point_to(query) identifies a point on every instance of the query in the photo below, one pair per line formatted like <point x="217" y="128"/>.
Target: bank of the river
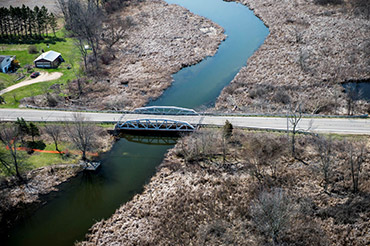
<point x="41" y="181"/>
<point x="16" y="196"/>
<point x="198" y="197"/>
<point x="310" y="50"/>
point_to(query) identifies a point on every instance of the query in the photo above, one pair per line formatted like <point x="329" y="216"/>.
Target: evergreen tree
<point x="12" y="21"/>
<point x="2" y="29"/>
<point x="43" y="19"/>
<point x="7" y="21"/>
<point x="33" y="131"/>
<point x="31" y="20"/>
<point x="24" y="22"/>
<point x="24" y="14"/>
<point x="227" y="129"/>
<point x="52" y="22"/>
<point x="23" y="128"/>
<point x="37" y="18"/>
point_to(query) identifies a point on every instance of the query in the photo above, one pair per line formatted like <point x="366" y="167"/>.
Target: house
<point x="50" y="59"/>
<point x="6" y="63"/>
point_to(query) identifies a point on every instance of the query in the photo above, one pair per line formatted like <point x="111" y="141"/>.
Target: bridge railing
<point x="155" y="125"/>
<point x="165" y="110"/>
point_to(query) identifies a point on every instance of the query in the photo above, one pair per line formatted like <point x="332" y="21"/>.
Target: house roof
<point x="49" y="56"/>
<point x="3" y="57"/>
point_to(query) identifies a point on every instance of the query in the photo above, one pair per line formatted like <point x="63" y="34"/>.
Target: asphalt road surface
<point x="317" y="125"/>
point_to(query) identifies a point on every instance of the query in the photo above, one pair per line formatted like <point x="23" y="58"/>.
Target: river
<point x="90" y="197"/>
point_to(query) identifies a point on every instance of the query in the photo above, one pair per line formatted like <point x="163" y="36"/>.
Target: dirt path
<point x="43" y="77"/>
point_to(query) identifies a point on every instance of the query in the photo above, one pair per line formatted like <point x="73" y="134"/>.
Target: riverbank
<point x="163" y="39"/>
<point x="43" y="171"/>
<point x="41" y="181"/>
<point x="310" y="51"/>
<point x="204" y="195"/>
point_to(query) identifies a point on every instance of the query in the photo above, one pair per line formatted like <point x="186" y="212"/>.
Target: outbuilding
<point x="5" y="63"/>
<point x="50" y="59"/>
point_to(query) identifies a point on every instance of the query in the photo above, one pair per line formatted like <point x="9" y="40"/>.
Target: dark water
<point x="91" y="197"/>
<point x="201" y="84"/>
<point x="362" y="89"/>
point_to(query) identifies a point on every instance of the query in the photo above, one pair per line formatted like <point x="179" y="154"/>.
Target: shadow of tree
<point x="348" y="212"/>
<point x="32" y="40"/>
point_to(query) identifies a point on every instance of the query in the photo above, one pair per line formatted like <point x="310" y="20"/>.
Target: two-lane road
<point x="319" y="125"/>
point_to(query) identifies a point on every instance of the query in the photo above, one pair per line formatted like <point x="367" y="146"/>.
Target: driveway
<point x="43" y="77"/>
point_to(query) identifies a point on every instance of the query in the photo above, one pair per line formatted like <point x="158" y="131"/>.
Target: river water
<point x="199" y="85"/>
<point x="90" y="197"/>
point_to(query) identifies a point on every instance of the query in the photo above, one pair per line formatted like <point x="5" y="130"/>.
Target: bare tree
<point x="262" y="152"/>
<point x="294" y="117"/>
<point x="324" y="149"/>
<point x="116" y="30"/>
<point x="77" y="72"/>
<point x="82" y="134"/>
<point x="200" y="146"/>
<point x="271" y="213"/>
<point x="55" y="132"/>
<point x="79" y="43"/>
<point x="353" y="94"/>
<point x="84" y="20"/>
<point x="11" y="159"/>
<point x="356" y="159"/>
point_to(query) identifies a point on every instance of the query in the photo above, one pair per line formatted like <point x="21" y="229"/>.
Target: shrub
<point x="271" y="214"/>
<point x="361" y="8"/>
<point x="281" y="97"/>
<point x="32" y="49"/>
<point x="51" y="100"/>
<point x="106" y="58"/>
<point x="227" y="129"/>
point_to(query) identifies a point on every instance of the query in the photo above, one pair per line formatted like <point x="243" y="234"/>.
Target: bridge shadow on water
<point x="151" y="139"/>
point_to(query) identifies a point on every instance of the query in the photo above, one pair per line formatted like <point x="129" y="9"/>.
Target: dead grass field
<point x="214" y="192"/>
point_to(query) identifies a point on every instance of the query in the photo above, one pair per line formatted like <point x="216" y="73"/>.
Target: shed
<point x="50" y="59"/>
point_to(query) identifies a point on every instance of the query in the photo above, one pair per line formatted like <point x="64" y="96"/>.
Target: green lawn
<point x="7" y="80"/>
<point x="38" y="159"/>
<point x="69" y="52"/>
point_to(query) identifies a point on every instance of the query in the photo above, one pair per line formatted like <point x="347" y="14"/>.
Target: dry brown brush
<point x="259" y="196"/>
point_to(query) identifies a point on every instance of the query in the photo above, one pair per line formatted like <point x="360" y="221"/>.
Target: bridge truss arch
<point x="155" y="125"/>
<point x="165" y="110"/>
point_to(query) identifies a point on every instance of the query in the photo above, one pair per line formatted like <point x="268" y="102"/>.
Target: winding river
<point x="90" y="197"/>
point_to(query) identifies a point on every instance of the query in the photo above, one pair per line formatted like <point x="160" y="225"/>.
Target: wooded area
<point x="25" y="23"/>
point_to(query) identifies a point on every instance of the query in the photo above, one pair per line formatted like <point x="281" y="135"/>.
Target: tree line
<point x="24" y="22"/>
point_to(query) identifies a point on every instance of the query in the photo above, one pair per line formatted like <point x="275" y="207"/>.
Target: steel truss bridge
<point x="164" y="125"/>
<point x="155" y="125"/>
<point x="165" y="110"/>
